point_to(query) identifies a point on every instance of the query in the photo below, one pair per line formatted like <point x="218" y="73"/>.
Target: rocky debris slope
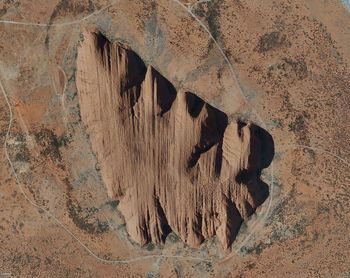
<point x="175" y="162"/>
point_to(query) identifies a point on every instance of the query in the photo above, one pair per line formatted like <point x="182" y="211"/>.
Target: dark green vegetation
<point x="113" y="204"/>
<point x="51" y="145"/>
<point x="210" y="11"/>
<point x="82" y="218"/>
<point x="22" y="151"/>
<point x="271" y="41"/>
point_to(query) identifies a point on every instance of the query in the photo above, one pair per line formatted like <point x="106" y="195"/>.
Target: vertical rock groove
<point x="175" y="162"/>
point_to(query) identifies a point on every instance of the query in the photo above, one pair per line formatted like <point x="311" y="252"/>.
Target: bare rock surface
<point x="175" y="162"/>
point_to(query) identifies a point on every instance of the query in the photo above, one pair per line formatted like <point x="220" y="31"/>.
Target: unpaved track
<point x="59" y="24"/>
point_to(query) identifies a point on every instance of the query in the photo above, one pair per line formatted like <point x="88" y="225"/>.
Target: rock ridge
<point x="175" y="162"/>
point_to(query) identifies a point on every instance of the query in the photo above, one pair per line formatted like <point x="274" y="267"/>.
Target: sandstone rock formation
<point x="175" y="162"/>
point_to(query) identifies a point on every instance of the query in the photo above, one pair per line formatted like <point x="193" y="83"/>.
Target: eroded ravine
<point x="175" y="162"/>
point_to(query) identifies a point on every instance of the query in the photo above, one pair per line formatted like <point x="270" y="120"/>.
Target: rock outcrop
<point x="175" y="162"/>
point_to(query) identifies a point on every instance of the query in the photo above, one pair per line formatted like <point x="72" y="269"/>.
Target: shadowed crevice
<point x="165" y="228"/>
<point x="166" y="92"/>
<point x="194" y="104"/>
<point x="212" y="129"/>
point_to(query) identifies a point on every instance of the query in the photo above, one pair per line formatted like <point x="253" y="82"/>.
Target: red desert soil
<point x="174" y="138"/>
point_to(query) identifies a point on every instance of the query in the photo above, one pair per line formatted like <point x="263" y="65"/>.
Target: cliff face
<point x="174" y="162"/>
